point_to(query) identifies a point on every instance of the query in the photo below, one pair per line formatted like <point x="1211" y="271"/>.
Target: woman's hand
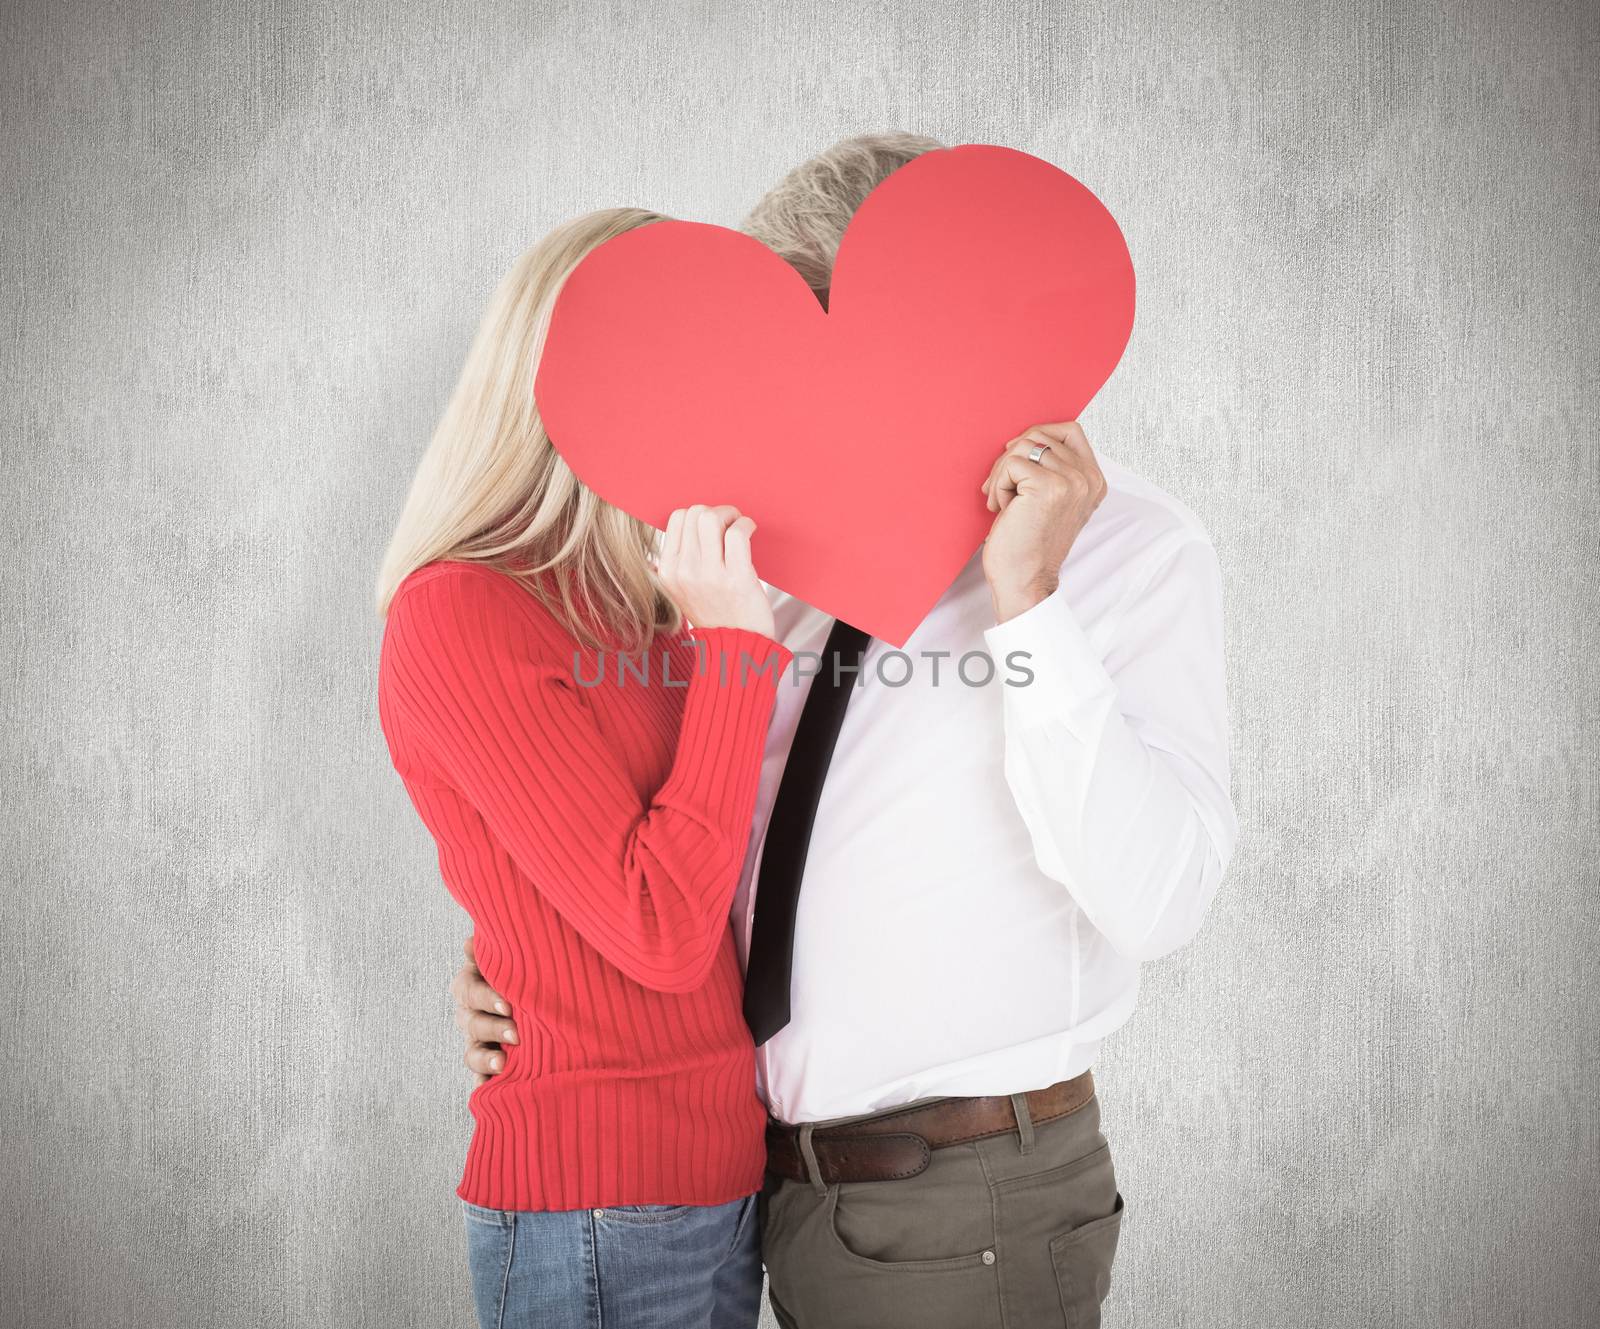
<point x="482" y="1015"/>
<point x="705" y="567"/>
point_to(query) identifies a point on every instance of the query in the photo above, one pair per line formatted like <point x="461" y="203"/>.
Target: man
<point x="955" y="872"/>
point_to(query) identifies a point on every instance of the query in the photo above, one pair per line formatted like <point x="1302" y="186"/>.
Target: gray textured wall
<point x="242" y="249"/>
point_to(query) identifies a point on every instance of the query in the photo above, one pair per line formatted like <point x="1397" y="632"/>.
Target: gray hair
<point x="802" y="218"/>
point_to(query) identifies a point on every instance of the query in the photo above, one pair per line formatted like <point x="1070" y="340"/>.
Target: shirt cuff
<point x="1068" y="684"/>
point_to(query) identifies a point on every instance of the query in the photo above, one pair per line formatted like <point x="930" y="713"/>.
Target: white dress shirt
<point x="989" y="864"/>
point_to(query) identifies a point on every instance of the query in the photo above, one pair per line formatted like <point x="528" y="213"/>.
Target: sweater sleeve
<point x="471" y="675"/>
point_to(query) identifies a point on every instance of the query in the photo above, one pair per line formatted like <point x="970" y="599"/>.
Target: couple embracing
<point x="785" y="962"/>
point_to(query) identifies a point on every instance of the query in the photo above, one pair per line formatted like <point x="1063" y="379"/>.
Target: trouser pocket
<point x="1083" y="1258"/>
<point x="491" y="1240"/>
<point x="1056" y="1231"/>
<point x="910" y="1254"/>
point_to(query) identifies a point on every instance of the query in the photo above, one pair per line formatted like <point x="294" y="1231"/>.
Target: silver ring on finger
<point x="1037" y="451"/>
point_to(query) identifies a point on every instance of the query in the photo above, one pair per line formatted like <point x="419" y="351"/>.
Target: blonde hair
<point x="491" y="488"/>
<point x="802" y="218"/>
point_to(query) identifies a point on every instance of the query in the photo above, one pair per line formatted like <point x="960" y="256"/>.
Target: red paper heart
<point x="977" y="291"/>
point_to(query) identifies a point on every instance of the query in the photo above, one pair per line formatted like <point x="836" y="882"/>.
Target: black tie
<point x="783" y="860"/>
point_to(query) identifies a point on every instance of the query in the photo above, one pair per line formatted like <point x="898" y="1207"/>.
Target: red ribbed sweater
<point x="595" y="835"/>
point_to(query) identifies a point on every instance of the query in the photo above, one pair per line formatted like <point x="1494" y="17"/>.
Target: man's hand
<point x="481" y="1015"/>
<point x="1041" y="507"/>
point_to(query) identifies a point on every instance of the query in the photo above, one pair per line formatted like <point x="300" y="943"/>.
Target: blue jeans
<point x="649" y="1266"/>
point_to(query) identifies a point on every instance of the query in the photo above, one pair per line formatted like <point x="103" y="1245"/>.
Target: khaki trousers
<point x="1014" y="1232"/>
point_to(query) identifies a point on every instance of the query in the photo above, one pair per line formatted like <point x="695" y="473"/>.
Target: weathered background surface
<point x="242" y="249"/>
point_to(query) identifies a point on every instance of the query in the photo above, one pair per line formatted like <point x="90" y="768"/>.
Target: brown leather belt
<point x="900" y="1143"/>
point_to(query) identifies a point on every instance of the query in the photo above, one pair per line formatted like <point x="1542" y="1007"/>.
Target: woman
<point x="593" y="826"/>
